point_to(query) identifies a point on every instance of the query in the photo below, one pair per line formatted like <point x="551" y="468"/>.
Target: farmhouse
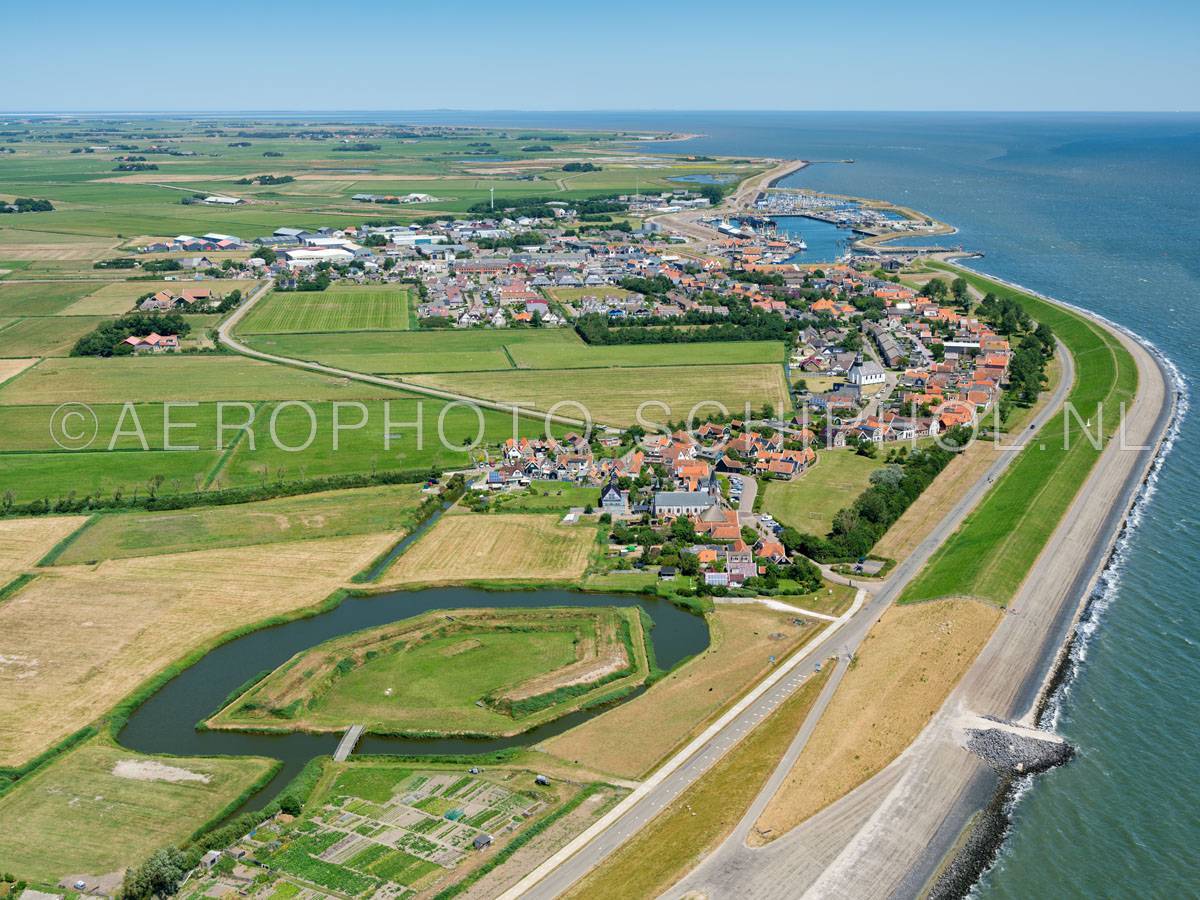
<point x="152" y="343"/>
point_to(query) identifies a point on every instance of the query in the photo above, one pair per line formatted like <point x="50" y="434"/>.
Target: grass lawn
<point x="44" y="299"/>
<point x="34" y="476"/>
<point x="174" y="377"/>
<point x="45" y="335"/>
<point x="101" y="808"/>
<point x="682" y="834"/>
<point x="437" y="674"/>
<point x="546" y="496"/>
<point x="500" y="547"/>
<point x="991" y="552"/>
<point x="810" y="502"/>
<point x="613" y="396"/>
<point x="375" y="308"/>
<point x="387" y="508"/>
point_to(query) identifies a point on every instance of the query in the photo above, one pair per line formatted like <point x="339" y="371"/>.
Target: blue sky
<point x="613" y="54"/>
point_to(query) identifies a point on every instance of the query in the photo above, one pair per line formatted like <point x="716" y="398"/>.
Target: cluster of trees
<point x="537" y="148"/>
<point x="26" y="204"/>
<point x="360" y="147"/>
<point x="106" y="339"/>
<point x="538" y="207"/>
<point x="317" y="280"/>
<point x="754" y="325"/>
<point x="135" y="167"/>
<point x="581" y="167"/>
<point x="267" y="179"/>
<point x="162" y="265"/>
<point x="514" y="242"/>
<point x="119" y="262"/>
<point x="771" y="279"/>
<point x="893" y="489"/>
<point x="1004" y="314"/>
<point x="271" y="154"/>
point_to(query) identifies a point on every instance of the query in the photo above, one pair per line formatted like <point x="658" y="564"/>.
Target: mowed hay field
<point x="377" y="308"/>
<point x="390" y="508"/>
<point x="24" y="541"/>
<point x="630" y="740"/>
<point x="42" y="299"/>
<point x="613" y="396"/>
<point x="11" y="368"/>
<point x="903" y="672"/>
<point x="475" y="547"/>
<point x="810" y="502"/>
<point x="76" y="640"/>
<point x="102" y="808"/>
<point x="173" y="377"/>
<point x="45" y="335"/>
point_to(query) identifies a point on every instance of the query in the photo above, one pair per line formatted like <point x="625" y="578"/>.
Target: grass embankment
<point x="468" y="547"/>
<point x="905" y="669"/>
<point x="810" y="502"/>
<point x="633" y="738"/>
<point x="101" y="808"/>
<point x="915" y="524"/>
<point x="704" y="815"/>
<point x="388" y="508"/>
<point x="992" y="551"/>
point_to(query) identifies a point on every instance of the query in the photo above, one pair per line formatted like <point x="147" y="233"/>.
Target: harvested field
<point x="10" y="368"/>
<point x="102" y="808"/>
<point x="24" y="541"/>
<point x="389" y="508"/>
<point x="470" y="547"/>
<point x="482" y="671"/>
<point x="633" y="738"/>
<point x="903" y="672"/>
<point x="77" y="249"/>
<point x="45" y="335"/>
<point x="614" y="395"/>
<point x="76" y="640"/>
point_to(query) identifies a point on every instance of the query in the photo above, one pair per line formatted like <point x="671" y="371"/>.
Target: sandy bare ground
<point x="77" y="639"/>
<point x="471" y="547"/>
<point x="24" y="541"/>
<point x="10" y="368"/>
<point x="903" y="672"/>
<point x="153" y="770"/>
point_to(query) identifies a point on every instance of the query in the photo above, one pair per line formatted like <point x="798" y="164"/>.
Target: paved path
<point x="575" y="860"/>
<point x="348" y="742"/>
<point x="890" y="836"/>
<point x="226" y="337"/>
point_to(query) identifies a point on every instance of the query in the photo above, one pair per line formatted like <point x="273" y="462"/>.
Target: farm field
<point x="810" y="502"/>
<point x="703" y="816"/>
<point x="631" y="739"/>
<point x="118" y="297"/>
<point x="173" y="377"/>
<point x="501" y="547"/>
<point x="387" y="508"/>
<point x="614" y="396"/>
<point x="45" y="335"/>
<point x="990" y="553"/>
<point x="904" y="670"/>
<point x="101" y="808"/>
<point x="11" y="368"/>
<point x="493" y="672"/>
<point x="374" y="308"/>
<point x="80" y="638"/>
<point x="24" y="541"/>
<point x="42" y="299"/>
<point x="37" y="476"/>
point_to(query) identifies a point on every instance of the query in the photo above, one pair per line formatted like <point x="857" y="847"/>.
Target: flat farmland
<point x="78" y="639"/>
<point x="382" y="308"/>
<point x="578" y="355"/>
<point x="173" y="377"/>
<point x="473" y="547"/>
<point x="11" y="368"/>
<point x="24" y="541"/>
<point x="810" y="502"/>
<point x="386" y="353"/>
<point x="45" y="335"/>
<point x="388" y="508"/>
<point x="117" y="298"/>
<point x="37" y="476"/>
<point x="101" y="808"/>
<point x="614" y="395"/>
<point x="43" y="298"/>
